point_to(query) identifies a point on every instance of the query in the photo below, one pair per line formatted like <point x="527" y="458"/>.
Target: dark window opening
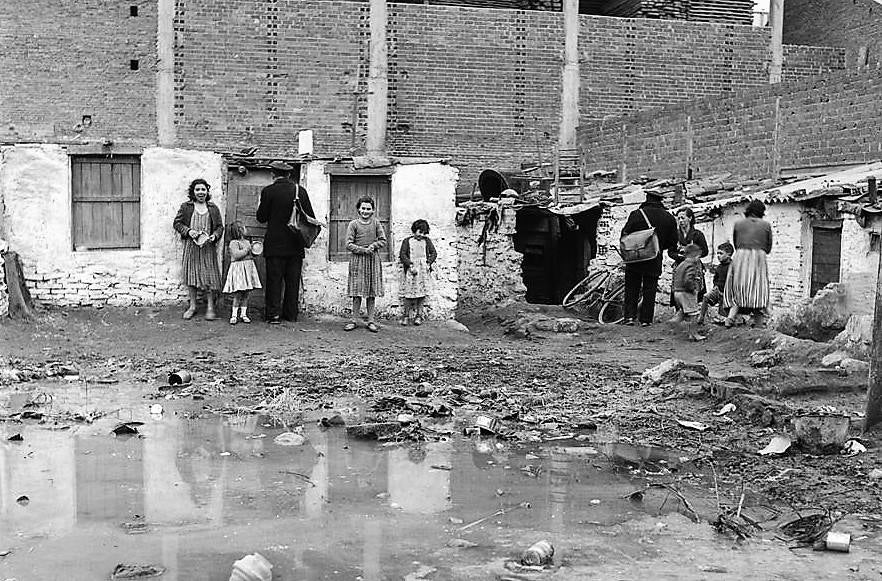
<point x="134" y="64"/>
<point x="133" y="10"/>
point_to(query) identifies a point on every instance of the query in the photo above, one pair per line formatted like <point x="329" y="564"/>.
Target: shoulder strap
<point x="296" y="192"/>
<point x="648" y="223"/>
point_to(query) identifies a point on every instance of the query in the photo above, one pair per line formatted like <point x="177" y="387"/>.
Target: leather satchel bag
<point x="302" y="224"/>
<point x="640" y="246"/>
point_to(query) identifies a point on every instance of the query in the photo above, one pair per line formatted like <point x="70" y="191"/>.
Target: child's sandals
<point x="350" y="326"/>
<point x="234" y="319"/>
<point x="418" y="321"/>
<point x="188" y="314"/>
<point x="403" y="321"/>
<point x="245" y="319"/>
<point x="372" y="327"/>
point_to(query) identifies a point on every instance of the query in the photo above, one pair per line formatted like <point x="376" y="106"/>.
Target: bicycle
<point x="604" y="287"/>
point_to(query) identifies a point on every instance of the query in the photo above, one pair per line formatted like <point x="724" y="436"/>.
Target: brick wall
<point x="481" y="86"/>
<point x="853" y="24"/>
<point x="821" y="121"/>
<point x="63" y="59"/>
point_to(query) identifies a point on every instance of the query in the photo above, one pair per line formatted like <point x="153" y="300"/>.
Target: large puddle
<point x="194" y="494"/>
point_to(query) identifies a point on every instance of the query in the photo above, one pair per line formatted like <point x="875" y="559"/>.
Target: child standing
<point x="364" y="239"/>
<point x="242" y="275"/>
<point x="715" y="295"/>
<point x="417" y="255"/>
<point x="686" y="284"/>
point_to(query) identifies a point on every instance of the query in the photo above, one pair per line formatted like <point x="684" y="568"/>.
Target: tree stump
<point x="20" y="304"/>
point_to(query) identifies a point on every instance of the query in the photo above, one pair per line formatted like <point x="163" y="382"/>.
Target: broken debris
<point x="539" y="553"/>
<point x="778" y="445"/>
<point x="254" y="567"/>
<point x="129" y="571"/>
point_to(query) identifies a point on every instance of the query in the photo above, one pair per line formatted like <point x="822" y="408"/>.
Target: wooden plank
<point x="131" y="225"/>
<point x="106" y="180"/>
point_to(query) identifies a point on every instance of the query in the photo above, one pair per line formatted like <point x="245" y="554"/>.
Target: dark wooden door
<point x="826" y="249"/>
<point x="345" y="191"/>
<point x="243" y="196"/>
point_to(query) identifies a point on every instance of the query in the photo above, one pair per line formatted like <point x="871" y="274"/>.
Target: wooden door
<point x="243" y="197"/>
<point x="345" y="191"/>
<point x="826" y="253"/>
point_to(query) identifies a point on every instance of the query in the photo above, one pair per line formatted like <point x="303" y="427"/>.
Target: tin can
<point x="179" y="377"/>
<point x="257" y="248"/>
<point x="487" y="423"/>
<point x="840" y="542"/>
<point x="254" y="567"/>
<point x="539" y="553"/>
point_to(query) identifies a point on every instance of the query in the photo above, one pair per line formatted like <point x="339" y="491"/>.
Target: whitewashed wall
<point x="35" y="184"/>
<point x="489" y="274"/>
<point x="425" y="191"/>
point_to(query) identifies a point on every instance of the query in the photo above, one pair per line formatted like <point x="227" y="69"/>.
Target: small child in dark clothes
<point x="686" y="284"/>
<point x="715" y="295"/>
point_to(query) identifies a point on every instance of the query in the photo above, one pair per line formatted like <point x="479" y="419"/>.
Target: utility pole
<point x="378" y="82"/>
<point x="874" y="392"/>
<point x="776" y="22"/>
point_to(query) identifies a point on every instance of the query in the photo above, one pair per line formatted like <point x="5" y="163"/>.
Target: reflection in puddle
<point x="208" y="491"/>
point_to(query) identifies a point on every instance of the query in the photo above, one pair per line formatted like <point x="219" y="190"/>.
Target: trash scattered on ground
<point x="179" y="378"/>
<point x="136" y="526"/>
<point x="853" y="448"/>
<point x="539" y="553"/>
<point x="254" y="567"/>
<point x="876" y="474"/>
<point x="373" y="430"/>
<point x="808" y="530"/>
<point x="15" y="438"/>
<point x="129" y="571"/>
<point x="405" y="418"/>
<point x="670" y="370"/>
<point x="156" y="409"/>
<point x="126" y="428"/>
<point x="334" y="420"/>
<point x="778" y="445"/>
<point x="765" y="358"/>
<point x="821" y="432"/>
<point x="461" y="544"/>
<point x="5" y="553"/>
<point x="290" y="439"/>
<point x="23" y="500"/>
<point x="836" y="541"/>
<point x="486" y="425"/>
<point x="693" y="425"/>
<point x="726" y="409"/>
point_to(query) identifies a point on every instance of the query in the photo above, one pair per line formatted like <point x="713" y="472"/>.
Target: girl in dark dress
<point x="687" y="234"/>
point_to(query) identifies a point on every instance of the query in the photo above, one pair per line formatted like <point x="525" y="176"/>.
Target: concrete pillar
<point x="776" y="22"/>
<point x="569" y="101"/>
<point x="378" y="82"/>
<point x="165" y="73"/>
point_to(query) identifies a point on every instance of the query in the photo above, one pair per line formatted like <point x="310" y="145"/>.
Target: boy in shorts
<point x="715" y="295"/>
<point x="687" y="281"/>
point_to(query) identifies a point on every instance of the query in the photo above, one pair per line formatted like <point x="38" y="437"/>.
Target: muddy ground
<point x="578" y="432"/>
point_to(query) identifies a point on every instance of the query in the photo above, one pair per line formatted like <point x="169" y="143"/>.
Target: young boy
<point x="715" y="295"/>
<point x="687" y="281"/>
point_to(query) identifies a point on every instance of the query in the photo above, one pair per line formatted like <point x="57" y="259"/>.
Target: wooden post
<point x="556" y="175"/>
<point x="874" y="392"/>
<point x="20" y="305"/>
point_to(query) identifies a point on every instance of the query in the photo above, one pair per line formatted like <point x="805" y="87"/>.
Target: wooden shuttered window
<point x="345" y="191"/>
<point x="106" y="201"/>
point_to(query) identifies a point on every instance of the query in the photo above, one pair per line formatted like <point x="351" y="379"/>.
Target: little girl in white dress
<point x="242" y="276"/>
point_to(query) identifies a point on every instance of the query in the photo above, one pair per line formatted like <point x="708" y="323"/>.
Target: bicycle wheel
<point x="586" y="287"/>
<point x="613" y="309"/>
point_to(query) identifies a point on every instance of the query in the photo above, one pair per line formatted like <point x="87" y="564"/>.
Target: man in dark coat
<point x="642" y="277"/>
<point x="282" y="249"/>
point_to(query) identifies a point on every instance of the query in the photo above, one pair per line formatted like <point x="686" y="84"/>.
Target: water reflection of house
<point x="41" y="468"/>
